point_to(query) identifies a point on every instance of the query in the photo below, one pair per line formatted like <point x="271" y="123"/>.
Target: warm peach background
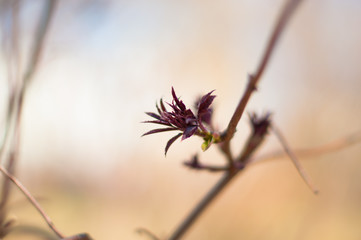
<point x="107" y="62"/>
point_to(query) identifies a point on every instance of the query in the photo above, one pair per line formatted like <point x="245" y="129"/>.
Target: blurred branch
<point x="40" y="34"/>
<point x="333" y="146"/>
<point x="11" y="47"/>
<point x="32" y="200"/>
<point x="29" y="72"/>
<point x="17" y="87"/>
<point x="293" y="157"/>
<point x="195" y="164"/>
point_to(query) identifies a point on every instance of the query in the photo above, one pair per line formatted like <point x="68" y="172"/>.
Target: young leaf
<point x="171" y="141"/>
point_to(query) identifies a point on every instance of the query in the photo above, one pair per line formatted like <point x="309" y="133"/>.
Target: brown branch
<point x="32" y="200"/>
<point x="202" y="205"/>
<point x="227" y="136"/>
<point x="282" y="21"/>
<point x="259" y="130"/>
<point x="294" y="159"/>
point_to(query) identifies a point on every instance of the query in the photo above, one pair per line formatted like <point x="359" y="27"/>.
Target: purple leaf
<point x="189" y="131"/>
<point x="162" y="105"/>
<point x="159" y="130"/>
<point x="156" y="116"/>
<point x="158" y="109"/>
<point x="179" y="103"/>
<point x="206" y="101"/>
<point x="206" y="116"/>
<point x="204" y="113"/>
<point x="171" y="141"/>
<point x="181" y="118"/>
<point x="158" y="122"/>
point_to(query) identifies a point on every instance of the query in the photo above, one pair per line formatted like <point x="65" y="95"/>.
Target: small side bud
<point x="208" y="140"/>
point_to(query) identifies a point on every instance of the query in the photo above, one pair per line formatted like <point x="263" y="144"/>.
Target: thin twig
<point x="210" y="168"/>
<point x="333" y="146"/>
<point x="40" y="34"/>
<point x="195" y="164"/>
<point x="282" y="21"/>
<point x="294" y="159"/>
<point x="32" y="200"/>
<point x="147" y="233"/>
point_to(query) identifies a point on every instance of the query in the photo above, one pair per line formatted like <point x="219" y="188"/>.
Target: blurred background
<point x="105" y="63"/>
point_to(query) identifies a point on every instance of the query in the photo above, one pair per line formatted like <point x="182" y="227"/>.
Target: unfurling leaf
<point x="171" y="141"/>
<point x="208" y="140"/>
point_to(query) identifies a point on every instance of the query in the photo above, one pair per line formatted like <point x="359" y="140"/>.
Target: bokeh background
<point x="107" y="62"/>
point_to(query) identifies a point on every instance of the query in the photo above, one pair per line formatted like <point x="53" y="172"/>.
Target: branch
<point x="282" y="21"/>
<point x="228" y="134"/>
<point x="32" y="200"/>
<point x="201" y="206"/>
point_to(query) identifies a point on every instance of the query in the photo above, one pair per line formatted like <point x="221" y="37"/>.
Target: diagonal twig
<point x="202" y="205"/>
<point x="32" y="200"/>
<point x="294" y="159"/>
<point x="40" y="34"/>
<point x="148" y="233"/>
